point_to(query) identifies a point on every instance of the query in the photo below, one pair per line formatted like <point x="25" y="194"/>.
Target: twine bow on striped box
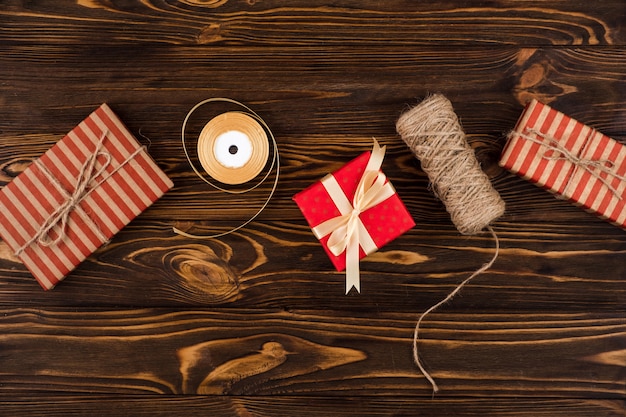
<point x="77" y="196"/>
<point x="569" y="159"/>
<point x="354" y="212"/>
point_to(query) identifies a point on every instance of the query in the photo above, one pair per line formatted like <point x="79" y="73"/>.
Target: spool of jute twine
<point x="433" y="133"/>
<point x="233" y="148"/>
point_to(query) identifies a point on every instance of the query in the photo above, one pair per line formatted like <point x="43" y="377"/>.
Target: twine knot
<point x="86" y="182"/>
<point x="555" y="151"/>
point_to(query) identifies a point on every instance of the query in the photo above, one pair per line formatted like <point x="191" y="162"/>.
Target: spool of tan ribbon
<point x="234" y="148"/>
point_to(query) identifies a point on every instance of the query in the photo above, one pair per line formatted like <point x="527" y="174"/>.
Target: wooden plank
<point x="306" y="406"/>
<point x="320" y="353"/>
<point x="309" y="23"/>
<point x="341" y="92"/>
<point x="542" y="266"/>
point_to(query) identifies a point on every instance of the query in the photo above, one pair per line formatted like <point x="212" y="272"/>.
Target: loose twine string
<point x="433" y="133"/>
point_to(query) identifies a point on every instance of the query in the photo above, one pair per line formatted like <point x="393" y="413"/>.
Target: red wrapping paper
<point x="124" y="182"/>
<point x="570" y="159"/>
<point x="384" y="222"/>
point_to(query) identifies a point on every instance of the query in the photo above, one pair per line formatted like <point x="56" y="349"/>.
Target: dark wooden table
<point x="158" y="324"/>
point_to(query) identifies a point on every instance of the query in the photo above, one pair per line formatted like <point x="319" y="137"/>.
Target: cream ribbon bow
<point x="347" y="231"/>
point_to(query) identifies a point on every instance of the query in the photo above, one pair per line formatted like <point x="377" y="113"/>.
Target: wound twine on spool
<point x="233" y="149"/>
<point x="433" y="133"/>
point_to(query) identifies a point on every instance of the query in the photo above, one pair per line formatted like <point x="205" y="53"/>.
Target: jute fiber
<point x="433" y="133"/>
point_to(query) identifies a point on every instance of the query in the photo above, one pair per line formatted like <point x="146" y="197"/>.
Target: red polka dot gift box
<point x="77" y="196"/>
<point x="354" y="212"/>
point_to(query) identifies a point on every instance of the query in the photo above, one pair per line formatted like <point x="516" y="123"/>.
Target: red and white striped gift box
<point x="570" y="159"/>
<point x="86" y="188"/>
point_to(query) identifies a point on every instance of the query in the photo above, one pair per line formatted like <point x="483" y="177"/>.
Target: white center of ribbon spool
<point x="233" y="149"/>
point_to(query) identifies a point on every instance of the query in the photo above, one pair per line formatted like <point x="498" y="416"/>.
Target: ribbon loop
<point x="347" y="232"/>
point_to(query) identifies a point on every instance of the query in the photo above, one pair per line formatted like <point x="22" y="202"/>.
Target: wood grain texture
<point x="262" y="23"/>
<point x="541" y="266"/>
<point x="254" y="352"/>
<point x="245" y="406"/>
<point x="317" y="103"/>
<point x="256" y="323"/>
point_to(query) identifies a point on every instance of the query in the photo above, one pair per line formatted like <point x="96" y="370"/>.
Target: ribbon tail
<point x="352" y="264"/>
<point x="353" y="279"/>
<point x="376" y="158"/>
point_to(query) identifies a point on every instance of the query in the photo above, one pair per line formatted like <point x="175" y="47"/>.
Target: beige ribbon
<point x="60" y="216"/>
<point x="274" y="165"/>
<point x="593" y="166"/>
<point x="347" y="231"/>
